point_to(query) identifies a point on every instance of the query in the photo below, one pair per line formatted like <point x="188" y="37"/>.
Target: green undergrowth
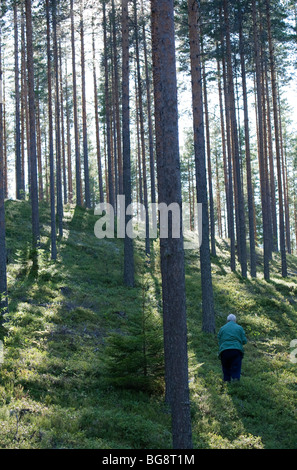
<point x="83" y="355"/>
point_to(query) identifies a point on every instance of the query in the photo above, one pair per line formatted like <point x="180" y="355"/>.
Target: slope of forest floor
<point x="83" y="356"/>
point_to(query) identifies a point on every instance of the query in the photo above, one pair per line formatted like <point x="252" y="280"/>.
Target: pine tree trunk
<point x="38" y="143"/>
<point x="141" y="121"/>
<point x="235" y="147"/>
<point x="171" y="249"/>
<point x="208" y="319"/>
<point x="3" y="274"/>
<point x="251" y="214"/>
<point x="84" y="113"/>
<point x="209" y="166"/>
<point x="263" y="182"/>
<point x="75" y="118"/>
<point x="107" y="112"/>
<point x="231" y="231"/>
<point x="128" y="242"/>
<point x="98" y="150"/>
<point x="224" y="147"/>
<point x="150" y="131"/>
<point x="58" y="123"/>
<point x="32" y="127"/>
<point x="65" y="194"/>
<point x="271" y="168"/>
<point x="69" y="160"/>
<point x="282" y="241"/>
<point x="117" y="105"/>
<point x="18" y="162"/>
<point x="50" y="136"/>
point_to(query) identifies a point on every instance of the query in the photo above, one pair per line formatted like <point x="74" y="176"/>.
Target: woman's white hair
<point x="231" y="317"/>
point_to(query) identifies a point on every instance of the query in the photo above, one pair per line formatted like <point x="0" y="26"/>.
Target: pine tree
<point x="171" y="249"/>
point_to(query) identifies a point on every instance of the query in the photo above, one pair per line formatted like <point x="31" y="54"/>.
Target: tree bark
<point x="18" y="162"/>
<point x="141" y="121"/>
<point x="171" y="249"/>
<point x="128" y="242"/>
<point x="107" y="112"/>
<point x="3" y="274"/>
<point x="235" y="148"/>
<point x="58" y="123"/>
<point x="75" y="119"/>
<point x="263" y="182"/>
<point x="50" y="136"/>
<point x="251" y="214"/>
<point x="98" y="149"/>
<point x="208" y="316"/>
<point x="282" y="241"/>
<point x="32" y="126"/>
<point x="84" y="112"/>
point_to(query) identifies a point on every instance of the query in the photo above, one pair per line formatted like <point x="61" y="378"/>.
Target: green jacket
<point x="231" y="336"/>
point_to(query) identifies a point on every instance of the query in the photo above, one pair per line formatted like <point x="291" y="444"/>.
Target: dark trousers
<point x="231" y="364"/>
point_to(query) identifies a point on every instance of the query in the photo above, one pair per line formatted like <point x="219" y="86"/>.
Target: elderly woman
<point x="231" y="340"/>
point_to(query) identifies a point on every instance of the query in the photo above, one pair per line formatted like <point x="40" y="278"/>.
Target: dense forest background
<point x="160" y="101"/>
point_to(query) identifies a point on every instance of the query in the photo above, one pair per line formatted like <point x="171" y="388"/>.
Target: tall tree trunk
<point x="75" y="118"/>
<point x="141" y="121"/>
<point x="231" y="232"/>
<point x="65" y="195"/>
<point x="208" y="316"/>
<point x="18" y="161"/>
<point x="235" y="148"/>
<point x="224" y="147"/>
<point x="209" y="166"/>
<point x="117" y="103"/>
<point x="271" y="167"/>
<point x="107" y="112"/>
<point x="263" y="181"/>
<point x="50" y="136"/>
<point x="150" y="130"/>
<point x="98" y="150"/>
<point x="58" y="123"/>
<point x="171" y="249"/>
<point x="38" y="148"/>
<point x="3" y="275"/>
<point x="69" y="160"/>
<point x="23" y="99"/>
<point x="33" y="154"/>
<point x="251" y="214"/>
<point x="84" y="112"/>
<point x="128" y="242"/>
<point x="282" y="241"/>
<point x="285" y="179"/>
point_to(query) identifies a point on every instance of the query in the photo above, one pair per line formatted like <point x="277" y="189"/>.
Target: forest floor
<point x="82" y="365"/>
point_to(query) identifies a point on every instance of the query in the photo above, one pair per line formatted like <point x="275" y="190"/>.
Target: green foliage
<point x="134" y="353"/>
<point x="76" y="373"/>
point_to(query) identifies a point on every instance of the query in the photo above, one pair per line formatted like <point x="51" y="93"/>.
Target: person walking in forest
<point x="231" y="339"/>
